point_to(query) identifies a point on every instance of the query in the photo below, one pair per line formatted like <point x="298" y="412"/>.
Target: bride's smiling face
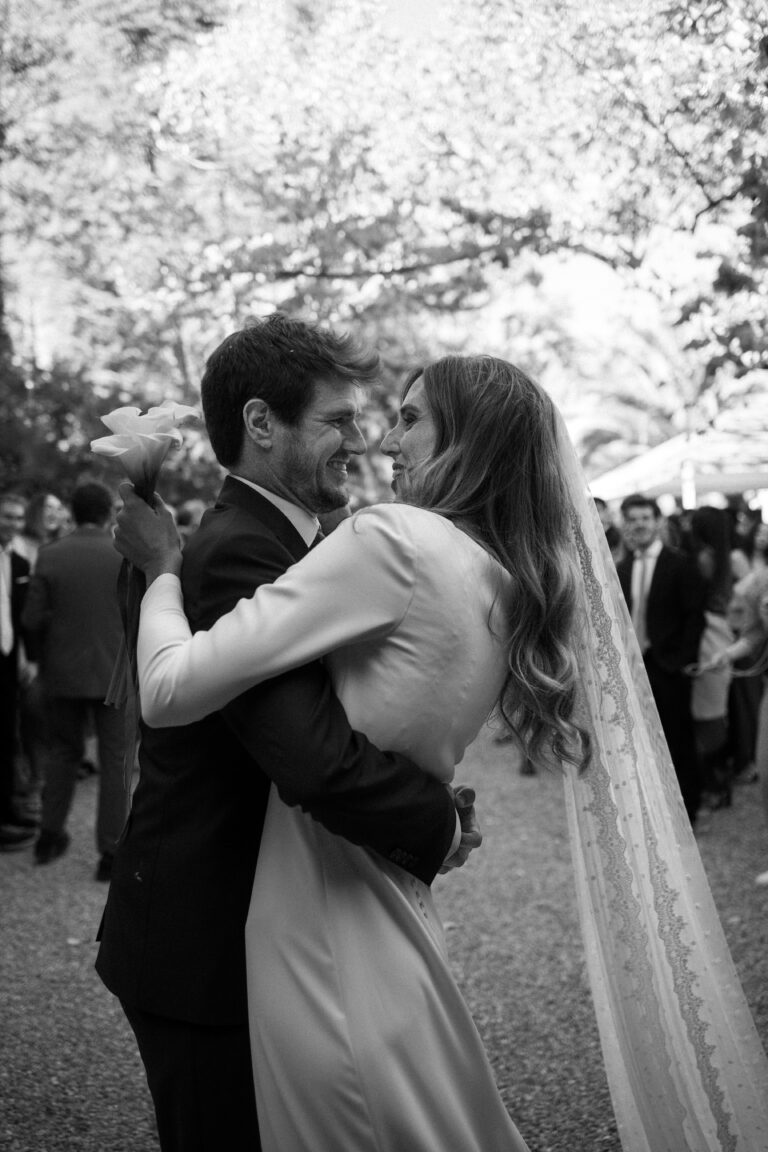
<point x="411" y="443"/>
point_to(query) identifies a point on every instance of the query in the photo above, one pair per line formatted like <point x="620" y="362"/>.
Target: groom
<point x="280" y="403"/>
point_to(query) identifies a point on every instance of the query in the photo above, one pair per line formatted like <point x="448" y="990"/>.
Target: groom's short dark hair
<point x="277" y="360"/>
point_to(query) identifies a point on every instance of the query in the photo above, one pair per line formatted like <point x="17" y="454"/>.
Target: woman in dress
<point x="709" y="546"/>
<point x="744" y="657"/>
<point x="46" y="521"/>
<point x="488" y="583"/>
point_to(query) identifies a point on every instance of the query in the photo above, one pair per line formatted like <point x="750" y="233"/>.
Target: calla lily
<point x="141" y="442"/>
<point x="141" y="457"/>
<point x="165" y="418"/>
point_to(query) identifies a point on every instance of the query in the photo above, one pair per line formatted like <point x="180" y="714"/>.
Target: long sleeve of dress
<point x="355" y="586"/>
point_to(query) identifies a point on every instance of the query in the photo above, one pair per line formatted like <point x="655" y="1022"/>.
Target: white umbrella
<point x="710" y="461"/>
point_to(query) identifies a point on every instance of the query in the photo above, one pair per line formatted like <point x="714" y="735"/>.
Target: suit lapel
<point x="624" y="572"/>
<point x="235" y="494"/>
<point x="660" y="569"/>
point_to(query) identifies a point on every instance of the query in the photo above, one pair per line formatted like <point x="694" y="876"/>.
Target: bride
<point x="488" y="583"/>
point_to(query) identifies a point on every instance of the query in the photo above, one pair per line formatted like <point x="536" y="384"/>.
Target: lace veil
<point x="685" y="1065"/>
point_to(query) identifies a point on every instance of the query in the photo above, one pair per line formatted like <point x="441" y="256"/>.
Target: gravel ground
<point x="70" y="1077"/>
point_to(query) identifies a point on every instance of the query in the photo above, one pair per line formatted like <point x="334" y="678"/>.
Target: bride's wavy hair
<point x="495" y="471"/>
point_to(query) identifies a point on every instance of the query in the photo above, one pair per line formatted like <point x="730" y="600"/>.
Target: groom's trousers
<point x="201" y="1083"/>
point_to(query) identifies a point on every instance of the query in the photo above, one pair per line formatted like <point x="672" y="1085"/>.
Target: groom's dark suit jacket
<point x="172" y="937"/>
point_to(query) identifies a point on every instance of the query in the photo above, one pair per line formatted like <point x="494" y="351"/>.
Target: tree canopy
<point x="581" y="188"/>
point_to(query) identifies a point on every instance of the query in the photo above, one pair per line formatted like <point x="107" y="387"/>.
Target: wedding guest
<point x="67" y="522"/>
<point x="72" y="610"/>
<point x="675" y="530"/>
<point x="612" y="534"/>
<point x="744" y="556"/>
<point x="710" y="549"/>
<point x="745" y="604"/>
<point x="761" y="750"/>
<point x="751" y="647"/>
<point x="665" y="595"/>
<point x="44" y="521"/>
<point x="16" y="829"/>
<point x="746" y="686"/>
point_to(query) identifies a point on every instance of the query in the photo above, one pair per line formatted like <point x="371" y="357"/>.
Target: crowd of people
<point x="702" y="623"/>
<point x="696" y="583"/>
<point x="60" y="634"/>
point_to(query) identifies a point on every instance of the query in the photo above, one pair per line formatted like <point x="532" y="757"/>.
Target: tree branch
<point x="634" y="101"/>
<point x="470" y="252"/>
<point x="713" y="203"/>
<point x="534" y="223"/>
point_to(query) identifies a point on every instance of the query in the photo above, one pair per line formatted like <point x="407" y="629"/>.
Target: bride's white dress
<point x="361" y="1039"/>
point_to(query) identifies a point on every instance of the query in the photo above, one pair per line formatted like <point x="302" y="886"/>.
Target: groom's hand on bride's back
<point x="471" y="836"/>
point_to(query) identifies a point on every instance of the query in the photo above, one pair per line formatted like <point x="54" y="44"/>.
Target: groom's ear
<point x="259" y="422"/>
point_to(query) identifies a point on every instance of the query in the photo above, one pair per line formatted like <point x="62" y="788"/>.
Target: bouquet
<point x="140" y="443"/>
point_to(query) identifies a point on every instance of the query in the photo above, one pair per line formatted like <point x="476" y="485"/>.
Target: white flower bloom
<point x="142" y="442"/>
<point x="165" y="418"/>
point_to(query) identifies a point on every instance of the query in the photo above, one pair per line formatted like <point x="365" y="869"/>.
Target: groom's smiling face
<point x="312" y="456"/>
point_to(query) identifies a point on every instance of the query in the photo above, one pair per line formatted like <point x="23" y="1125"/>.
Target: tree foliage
<point x="170" y="169"/>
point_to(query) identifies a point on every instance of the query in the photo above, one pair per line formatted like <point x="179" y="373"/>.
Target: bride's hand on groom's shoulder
<point x="471" y="836"/>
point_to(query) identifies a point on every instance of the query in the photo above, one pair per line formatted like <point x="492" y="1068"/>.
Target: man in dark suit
<point x="280" y="401"/>
<point x="665" y="595"/>
<point x="73" y="614"/>
<point x="15" y="833"/>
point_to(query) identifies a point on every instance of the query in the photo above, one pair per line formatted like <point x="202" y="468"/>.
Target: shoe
<point x="104" y="868"/>
<point x="15" y="837"/>
<point x="50" y="845"/>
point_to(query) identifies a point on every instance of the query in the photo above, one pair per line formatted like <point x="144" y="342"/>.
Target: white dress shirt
<point x="642" y="576"/>
<point x="651" y="555"/>
<point x="304" y="522"/>
<point x="6" y="583"/>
